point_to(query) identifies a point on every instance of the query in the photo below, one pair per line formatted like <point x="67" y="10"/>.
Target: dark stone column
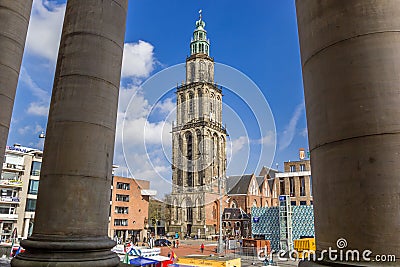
<point x="74" y="194"/>
<point x="350" y="53"/>
<point x="14" y="20"/>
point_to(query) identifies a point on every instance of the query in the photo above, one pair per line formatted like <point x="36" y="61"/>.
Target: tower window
<point x="191" y="104"/>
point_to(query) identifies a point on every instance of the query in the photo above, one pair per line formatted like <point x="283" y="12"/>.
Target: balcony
<point x="13" y="200"/>
<point x="11" y="183"/>
<point x="13" y="167"/>
<point x="10" y="217"/>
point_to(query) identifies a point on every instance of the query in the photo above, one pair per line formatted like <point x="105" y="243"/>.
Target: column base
<point x="60" y="251"/>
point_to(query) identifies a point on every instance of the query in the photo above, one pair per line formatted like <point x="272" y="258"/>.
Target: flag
<point x="126" y="258"/>
<point x="18" y="251"/>
<point x="173" y="256"/>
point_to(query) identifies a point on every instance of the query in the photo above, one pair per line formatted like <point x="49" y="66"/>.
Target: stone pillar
<point x="74" y="194"/>
<point x="14" y="20"/>
<point x="350" y="53"/>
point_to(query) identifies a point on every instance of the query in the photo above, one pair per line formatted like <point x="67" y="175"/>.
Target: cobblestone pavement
<point x="192" y="247"/>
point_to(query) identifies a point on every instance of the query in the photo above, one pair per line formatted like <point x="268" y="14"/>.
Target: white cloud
<point x="38" y="109"/>
<point x="268" y="139"/>
<point x="167" y="106"/>
<point x="44" y="30"/>
<point x="304" y="132"/>
<point x="138" y="60"/>
<point x="29" y="129"/>
<point x="236" y="145"/>
<point x="288" y="134"/>
<point x="40" y="106"/>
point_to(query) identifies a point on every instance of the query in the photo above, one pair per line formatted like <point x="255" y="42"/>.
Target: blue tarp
<point x="141" y="261"/>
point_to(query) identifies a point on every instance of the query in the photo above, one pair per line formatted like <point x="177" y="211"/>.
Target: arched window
<point x="255" y="203"/>
<point x="191" y="104"/>
<point x="189" y="156"/>
<point x="234" y="204"/>
<point x="200" y="102"/>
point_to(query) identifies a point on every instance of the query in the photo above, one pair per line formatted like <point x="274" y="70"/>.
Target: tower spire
<point x="200" y="44"/>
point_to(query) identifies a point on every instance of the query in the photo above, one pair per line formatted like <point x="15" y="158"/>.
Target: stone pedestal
<point x="73" y="203"/>
<point x="350" y="53"/>
<point x="14" y="20"/>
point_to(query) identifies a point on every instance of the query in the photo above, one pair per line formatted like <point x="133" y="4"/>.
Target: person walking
<point x="202" y="248"/>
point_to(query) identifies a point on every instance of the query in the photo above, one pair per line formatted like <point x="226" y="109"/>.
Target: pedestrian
<point x="177" y="243"/>
<point x="173" y="244"/>
<point x="202" y="248"/>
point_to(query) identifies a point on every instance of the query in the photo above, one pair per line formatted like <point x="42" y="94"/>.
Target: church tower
<point x="199" y="143"/>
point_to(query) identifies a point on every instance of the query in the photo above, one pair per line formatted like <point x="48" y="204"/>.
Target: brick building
<point x="296" y="181"/>
<point x="129" y="208"/>
<point x="249" y="191"/>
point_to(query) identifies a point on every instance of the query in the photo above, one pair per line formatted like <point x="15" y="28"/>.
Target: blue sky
<point x="258" y="38"/>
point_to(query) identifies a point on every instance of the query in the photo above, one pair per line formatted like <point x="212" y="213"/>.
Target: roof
<point x="268" y="171"/>
<point x="235" y="214"/>
<point x="238" y="184"/>
<point x="260" y="181"/>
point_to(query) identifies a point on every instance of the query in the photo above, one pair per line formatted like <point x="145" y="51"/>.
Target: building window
<point x="179" y="182"/>
<point x="199" y="215"/>
<point x="36" y="165"/>
<point x="302" y="167"/>
<point x="33" y="187"/>
<point x="124" y="198"/>
<point x="7" y="210"/>
<point x="121" y="222"/>
<point x="311" y="185"/>
<point x="30" y="204"/>
<point x="282" y="186"/>
<point x="292" y="168"/>
<point x="121" y="210"/>
<point x="189" y="214"/>
<point x="302" y="186"/>
<point x="9" y="195"/>
<point x="191" y="104"/>
<point x="234" y="204"/>
<point x="303" y="203"/>
<point x="293" y="203"/>
<point x="189" y="151"/>
<point x="292" y="188"/>
<point x="123" y="186"/>
<point x="13" y="176"/>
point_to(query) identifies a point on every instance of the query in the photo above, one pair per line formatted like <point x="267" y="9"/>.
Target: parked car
<point x="162" y="242"/>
